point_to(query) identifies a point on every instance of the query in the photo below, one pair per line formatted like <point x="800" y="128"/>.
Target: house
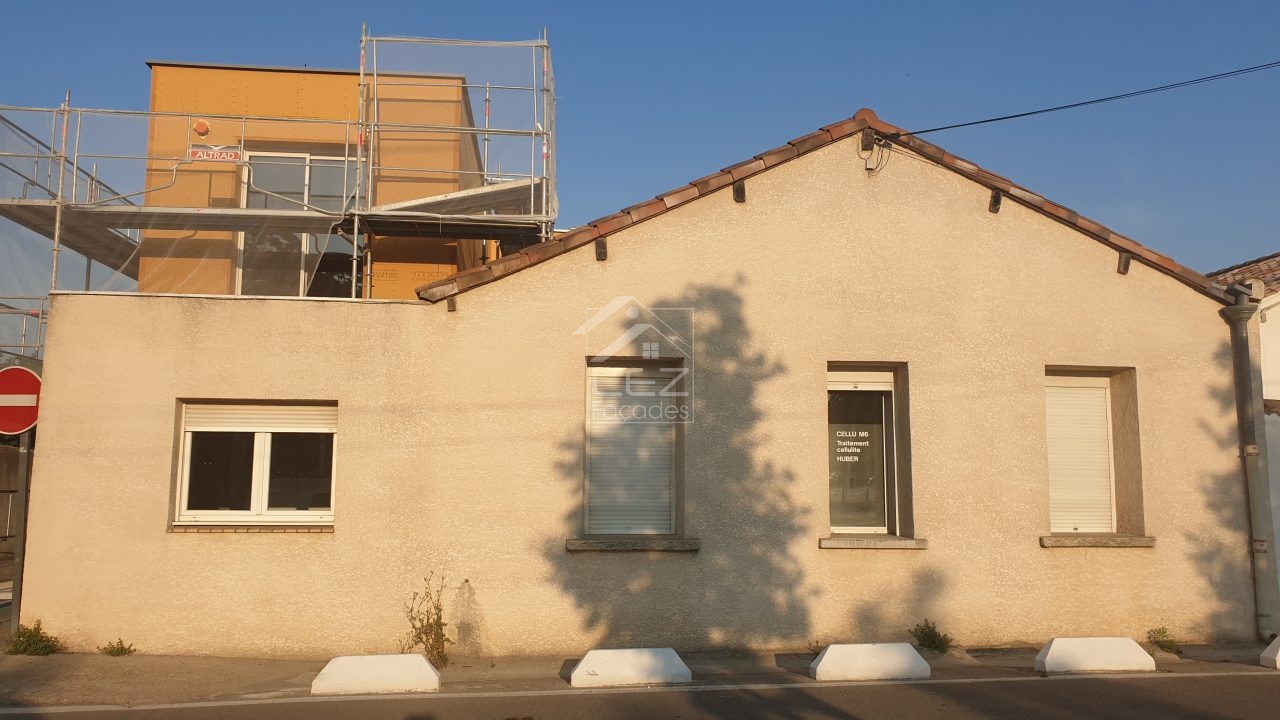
<point x="1263" y="277"/>
<point x="950" y="398"/>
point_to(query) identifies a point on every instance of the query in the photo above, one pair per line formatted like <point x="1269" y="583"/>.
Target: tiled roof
<point x="1266" y="269"/>
<point x="864" y="122"/>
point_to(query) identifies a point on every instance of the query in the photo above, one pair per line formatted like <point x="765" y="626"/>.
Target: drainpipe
<point x="1249" y="417"/>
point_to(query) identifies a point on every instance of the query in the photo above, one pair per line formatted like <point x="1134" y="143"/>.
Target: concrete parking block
<point x="361" y="674"/>
<point x="1093" y="654"/>
<point x="870" y="661"/>
<point x="630" y="666"/>
<point x="1271" y="656"/>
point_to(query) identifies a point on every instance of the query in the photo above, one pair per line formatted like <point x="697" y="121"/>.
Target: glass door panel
<point x="858" y="425"/>
<point x="271" y="258"/>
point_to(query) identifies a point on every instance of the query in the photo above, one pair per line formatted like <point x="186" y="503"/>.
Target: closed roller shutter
<point x="631" y="465"/>
<point x="1079" y="440"/>
<point x="280" y="418"/>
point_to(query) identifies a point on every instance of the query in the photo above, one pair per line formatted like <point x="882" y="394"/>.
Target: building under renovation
<point x="291" y="181"/>
<point x="847" y="384"/>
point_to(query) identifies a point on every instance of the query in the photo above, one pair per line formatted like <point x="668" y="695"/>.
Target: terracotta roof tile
<point x="1266" y="269"/>
<point x="436" y="291"/>
<point x="745" y="169"/>
<point x="647" y="209"/>
<point x="509" y="264"/>
<point x="990" y="179"/>
<point x="468" y="279"/>
<point x="812" y="141"/>
<point x="1060" y="212"/>
<point x="680" y="195"/>
<point x="845" y="128"/>
<point x="580" y="237"/>
<point x="544" y="250"/>
<point x="713" y="182"/>
<point x="1094" y="228"/>
<point x="778" y="155"/>
<point x="962" y="163"/>
<point x="928" y="149"/>
<point x="1026" y="196"/>
<point x="461" y="282"/>
<point x="614" y="222"/>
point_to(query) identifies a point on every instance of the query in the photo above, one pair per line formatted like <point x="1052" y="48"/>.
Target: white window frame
<point x="245" y="178"/>
<point x="676" y="430"/>
<point x="258" y="512"/>
<point x="882" y="381"/>
<point x="1087" y="381"/>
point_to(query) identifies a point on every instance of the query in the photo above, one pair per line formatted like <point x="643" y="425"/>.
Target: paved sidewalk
<point x="91" y="679"/>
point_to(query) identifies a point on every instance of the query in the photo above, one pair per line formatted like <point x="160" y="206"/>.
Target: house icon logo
<point x="629" y="323"/>
<point x="641" y="362"/>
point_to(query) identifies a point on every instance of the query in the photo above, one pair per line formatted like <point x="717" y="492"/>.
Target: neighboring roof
<point x="1266" y="269"/>
<point x="865" y="121"/>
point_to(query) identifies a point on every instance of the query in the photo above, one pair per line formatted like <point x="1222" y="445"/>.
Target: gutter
<point x="1247" y="380"/>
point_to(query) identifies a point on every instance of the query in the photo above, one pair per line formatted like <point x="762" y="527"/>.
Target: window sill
<point x="1096" y="540"/>
<point x="251" y="528"/>
<point x="872" y="542"/>
<point x="637" y="544"/>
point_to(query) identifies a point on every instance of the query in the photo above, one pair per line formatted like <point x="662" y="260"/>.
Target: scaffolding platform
<point x="81" y="232"/>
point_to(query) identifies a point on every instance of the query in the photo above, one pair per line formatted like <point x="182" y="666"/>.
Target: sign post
<point x="20" y="528"/>
<point x="19" y="406"/>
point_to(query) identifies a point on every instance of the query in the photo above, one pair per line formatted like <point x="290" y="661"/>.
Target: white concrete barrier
<point x="869" y="661"/>
<point x="1271" y="656"/>
<point x="631" y="666"/>
<point x="1093" y="654"/>
<point x="359" y="674"/>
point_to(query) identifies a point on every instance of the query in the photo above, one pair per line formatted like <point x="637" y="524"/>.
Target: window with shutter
<point x="257" y="464"/>
<point x="1081" y="472"/>
<point x="632" y="450"/>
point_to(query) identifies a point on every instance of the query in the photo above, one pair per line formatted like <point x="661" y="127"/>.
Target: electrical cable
<point x="1122" y="96"/>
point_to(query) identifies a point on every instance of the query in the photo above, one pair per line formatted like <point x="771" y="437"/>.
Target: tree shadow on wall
<point x="743" y="588"/>
<point x="1225" y="565"/>
<point x="878" y="621"/>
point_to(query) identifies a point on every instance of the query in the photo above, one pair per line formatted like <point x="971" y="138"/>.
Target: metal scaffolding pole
<point x="355" y="208"/>
<point x="61" y="156"/>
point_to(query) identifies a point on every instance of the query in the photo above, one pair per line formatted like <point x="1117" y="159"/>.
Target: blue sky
<point x="654" y="94"/>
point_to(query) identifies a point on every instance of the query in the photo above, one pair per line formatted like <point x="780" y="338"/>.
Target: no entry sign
<point x="19" y="400"/>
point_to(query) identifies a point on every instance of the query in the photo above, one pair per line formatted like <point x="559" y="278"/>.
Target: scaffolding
<point x="440" y="143"/>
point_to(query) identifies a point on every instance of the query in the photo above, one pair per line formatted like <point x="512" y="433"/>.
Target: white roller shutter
<point x="630" y="465"/>
<point x="251" y="418"/>
<point x="1080" y="468"/>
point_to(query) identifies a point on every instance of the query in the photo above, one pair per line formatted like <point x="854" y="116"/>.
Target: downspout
<point x="1249" y="417"/>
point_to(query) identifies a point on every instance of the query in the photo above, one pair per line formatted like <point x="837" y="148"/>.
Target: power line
<point x="1122" y="96"/>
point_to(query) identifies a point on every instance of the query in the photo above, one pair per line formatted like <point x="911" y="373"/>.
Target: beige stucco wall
<point x="460" y="439"/>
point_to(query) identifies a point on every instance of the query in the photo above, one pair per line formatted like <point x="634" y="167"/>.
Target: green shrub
<point x="116" y="648"/>
<point x="33" y="640"/>
<point x="1163" y="639"/>
<point x="928" y="637"/>
<point x="425" y="613"/>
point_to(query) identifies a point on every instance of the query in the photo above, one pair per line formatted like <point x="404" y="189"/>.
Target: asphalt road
<point x="1213" y="697"/>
